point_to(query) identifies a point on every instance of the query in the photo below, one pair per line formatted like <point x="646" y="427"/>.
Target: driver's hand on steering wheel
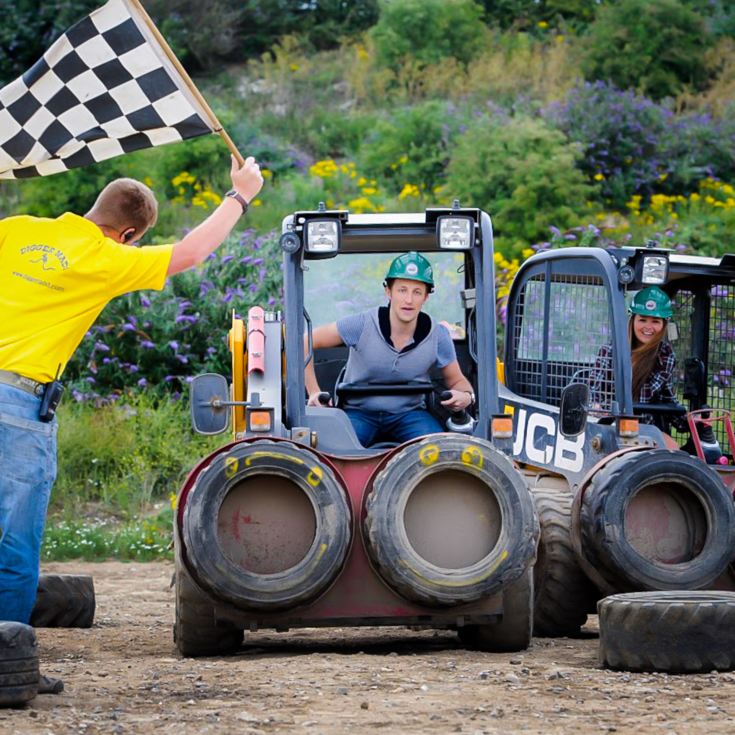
<point x="319" y="398"/>
<point x="459" y="401"/>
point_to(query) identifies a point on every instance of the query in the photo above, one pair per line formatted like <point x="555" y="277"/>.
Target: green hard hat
<point x="412" y="266"/>
<point x="652" y="301"/>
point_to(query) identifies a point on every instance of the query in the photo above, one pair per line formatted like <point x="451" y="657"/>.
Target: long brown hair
<point x="643" y="356"/>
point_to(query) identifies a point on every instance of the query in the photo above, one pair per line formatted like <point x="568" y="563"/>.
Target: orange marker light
<point x="259" y="420"/>
<point x="628" y="427"/>
<point x="502" y="427"/>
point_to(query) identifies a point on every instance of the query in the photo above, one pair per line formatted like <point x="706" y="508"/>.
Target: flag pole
<point x="187" y="80"/>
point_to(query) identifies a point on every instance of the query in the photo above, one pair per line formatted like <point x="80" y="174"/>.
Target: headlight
<point x="455" y="233"/>
<point x="655" y="269"/>
<point x="323" y="236"/>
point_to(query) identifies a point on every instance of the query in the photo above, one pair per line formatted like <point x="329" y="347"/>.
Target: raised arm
<point x="210" y="234"/>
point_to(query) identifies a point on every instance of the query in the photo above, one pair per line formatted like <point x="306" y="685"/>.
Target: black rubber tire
<point x="302" y="582"/>
<point x="18" y="664"/>
<point x="563" y="594"/>
<point x="417" y="579"/>
<point x="602" y="521"/>
<point x="671" y="631"/>
<point x="513" y="632"/>
<point x="195" y="630"/>
<point x="64" y="601"/>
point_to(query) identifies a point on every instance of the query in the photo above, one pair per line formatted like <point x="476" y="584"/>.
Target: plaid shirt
<point x="658" y="387"/>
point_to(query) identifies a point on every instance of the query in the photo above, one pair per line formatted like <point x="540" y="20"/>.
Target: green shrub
<point x="116" y="459"/>
<point x="524" y="174"/>
<point x="159" y="339"/>
<point x="427" y="31"/>
<point x="655" y="46"/>
<point x="412" y="146"/>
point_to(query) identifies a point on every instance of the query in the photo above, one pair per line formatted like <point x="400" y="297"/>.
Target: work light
<point x="455" y="233"/>
<point x="323" y="236"/>
<point x="655" y="269"/>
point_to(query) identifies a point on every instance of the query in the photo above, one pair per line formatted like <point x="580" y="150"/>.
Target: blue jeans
<point x="27" y="472"/>
<point x="374" y="426"/>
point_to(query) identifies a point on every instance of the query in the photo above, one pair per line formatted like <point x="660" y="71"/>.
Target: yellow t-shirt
<point x="56" y="276"/>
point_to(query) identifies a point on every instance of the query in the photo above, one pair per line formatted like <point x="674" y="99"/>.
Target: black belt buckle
<point x="51" y="396"/>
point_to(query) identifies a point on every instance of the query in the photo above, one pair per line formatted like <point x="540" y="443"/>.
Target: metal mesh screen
<point x="559" y="330"/>
<point x="721" y="357"/>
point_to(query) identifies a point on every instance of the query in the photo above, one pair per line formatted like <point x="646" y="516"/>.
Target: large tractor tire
<point x="267" y="526"/>
<point x="64" y="601"/>
<point x="195" y="630"/>
<point x="657" y="520"/>
<point x="18" y="664"/>
<point x="513" y="632"/>
<point x="449" y="521"/>
<point x="563" y="594"/>
<point x="671" y="631"/>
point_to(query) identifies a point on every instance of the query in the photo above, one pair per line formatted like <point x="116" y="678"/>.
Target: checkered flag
<point x="107" y="86"/>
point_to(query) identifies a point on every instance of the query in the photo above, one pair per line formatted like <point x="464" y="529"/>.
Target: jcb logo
<point x="539" y="439"/>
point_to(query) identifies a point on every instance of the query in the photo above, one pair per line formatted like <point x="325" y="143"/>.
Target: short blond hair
<point x="126" y="203"/>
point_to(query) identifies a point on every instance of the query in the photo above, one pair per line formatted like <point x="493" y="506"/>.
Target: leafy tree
<point x="655" y="46"/>
<point x="524" y="174"/>
<point x="521" y="14"/>
<point x="28" y="28"/>
<point x="428" y="31"/>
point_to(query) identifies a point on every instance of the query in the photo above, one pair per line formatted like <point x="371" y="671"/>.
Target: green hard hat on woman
<point x="412" y="266"/>
<point x="652" y="301"/>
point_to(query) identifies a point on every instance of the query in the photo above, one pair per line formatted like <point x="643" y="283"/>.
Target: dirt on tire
<point x="124" y="675"/>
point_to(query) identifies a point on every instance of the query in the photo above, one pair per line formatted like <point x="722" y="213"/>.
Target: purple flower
<point x="211" y="350"/>
<point x="90" y="380"/>
<point x="101" y="346"/>
<point x="227" y="258"/>
<point x="173" y="344"/>
<point x="146" y="344"/>
<point x="128" y="327"/>
<point x="145" y="302"/>
<point x="182" y="358"/>
<point x="142" y="382"/>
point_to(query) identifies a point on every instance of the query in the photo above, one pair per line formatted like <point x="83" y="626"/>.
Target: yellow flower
<point x="599" y="177"/>
<point x="362" y="53"/>
<point x="542" y="24"/>
<point x="256" y="203"/>
<point x="559" y="39"/>
<point x="148" y="181"/>
<point x="172" y="500"/>
<point x="266" y="173"/>
<point x="361" y="204"/>
<point x="369" y="190"/>
<point x="294" y="67"/>
<point x="663" y="177"/>
<point x="409" y="190"/>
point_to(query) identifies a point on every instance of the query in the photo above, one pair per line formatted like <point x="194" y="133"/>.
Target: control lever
<point x="324" y="398"/>
<point x="459" y="421"/>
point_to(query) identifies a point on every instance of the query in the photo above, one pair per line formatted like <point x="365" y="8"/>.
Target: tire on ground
<point x="267" y="526"/>
<point x="449" y="521"/>
<point x="658" y="520"/>
<point x="18" y="664"/>
<point x="513" y="632"/>
<point x="196" y="633"/>
<point x="563" y="594"/>
<point x="670" y="631"/>
<point x="64" y="601"/>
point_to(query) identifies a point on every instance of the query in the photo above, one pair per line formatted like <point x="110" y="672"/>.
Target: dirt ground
<point x="124" y="675"/>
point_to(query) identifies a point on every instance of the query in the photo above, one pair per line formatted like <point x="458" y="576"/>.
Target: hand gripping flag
<point x="109" y="85"/>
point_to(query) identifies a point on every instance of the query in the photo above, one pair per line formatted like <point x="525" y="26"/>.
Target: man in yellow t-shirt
<point x="56" y="276"/>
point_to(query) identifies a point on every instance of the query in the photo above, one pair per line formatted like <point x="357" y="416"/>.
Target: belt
<point x="22" y="383"/>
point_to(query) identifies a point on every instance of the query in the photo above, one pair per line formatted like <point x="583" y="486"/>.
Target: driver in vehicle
<point x="396" y="343"/>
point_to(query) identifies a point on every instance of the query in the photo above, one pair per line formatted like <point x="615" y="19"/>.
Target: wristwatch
<point x="238" y="198"/>
<point x="472" y="397"/>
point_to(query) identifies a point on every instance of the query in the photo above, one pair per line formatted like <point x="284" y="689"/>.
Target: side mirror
<point x="208" y="394"/>
<point x="573" y="409"/>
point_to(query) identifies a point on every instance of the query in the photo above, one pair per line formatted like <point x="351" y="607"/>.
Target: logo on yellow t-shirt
<point x="49" y="257"/>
